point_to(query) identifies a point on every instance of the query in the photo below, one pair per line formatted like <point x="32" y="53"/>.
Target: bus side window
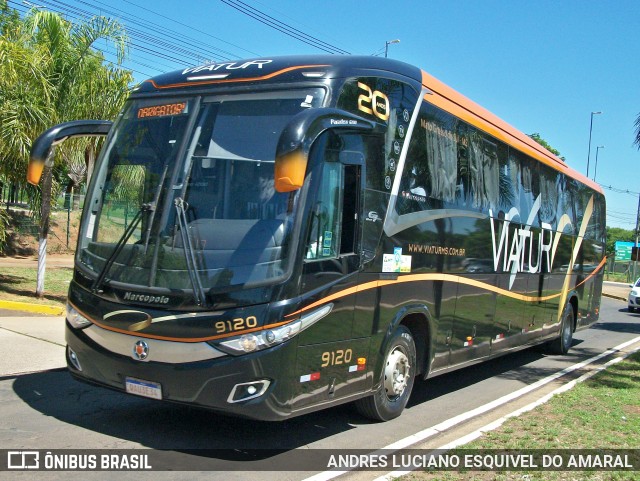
<point x="325" y="234"/>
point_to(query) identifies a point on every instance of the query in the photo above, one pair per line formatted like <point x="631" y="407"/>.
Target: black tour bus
<point x="271" y="237"/>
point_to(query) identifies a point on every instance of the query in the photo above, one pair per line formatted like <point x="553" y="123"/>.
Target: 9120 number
<point x="237" y="324"/>
<point x="337" y="357"/>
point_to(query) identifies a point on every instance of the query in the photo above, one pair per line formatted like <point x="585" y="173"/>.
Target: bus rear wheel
<point x="398" y="375"/>
<point x="562" y="344"/>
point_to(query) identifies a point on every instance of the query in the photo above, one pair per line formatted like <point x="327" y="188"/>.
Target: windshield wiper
<point x="120" y="245"/>
<point x="189" y="257"/>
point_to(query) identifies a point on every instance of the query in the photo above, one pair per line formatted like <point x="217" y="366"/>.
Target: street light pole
<point x="590" y="130"/>
<point x="595" y="168"/>
<point x="635" y="262"/>
<point x="386" y="46"/>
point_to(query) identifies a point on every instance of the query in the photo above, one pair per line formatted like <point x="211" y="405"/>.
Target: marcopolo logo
<point x="149" y="299"/>
<point x="141" y="350"/>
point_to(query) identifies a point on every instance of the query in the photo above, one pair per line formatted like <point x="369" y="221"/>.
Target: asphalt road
<point x="43" y="408"/>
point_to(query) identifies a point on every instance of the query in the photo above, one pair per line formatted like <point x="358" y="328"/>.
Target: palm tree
<point x="24" y="109"/>
<point x="52" y="74"/>
<point x="637" y="126"/>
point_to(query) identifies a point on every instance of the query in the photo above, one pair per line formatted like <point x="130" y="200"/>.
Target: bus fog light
<point x="248" y="390"/>
<point x="73" y="358"/>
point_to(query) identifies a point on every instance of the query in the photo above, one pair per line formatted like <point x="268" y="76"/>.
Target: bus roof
<point x="319" y="67"/>
<point x="281" y="69"/>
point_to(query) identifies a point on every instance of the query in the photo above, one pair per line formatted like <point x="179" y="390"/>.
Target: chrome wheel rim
<point x="396" y="373"/>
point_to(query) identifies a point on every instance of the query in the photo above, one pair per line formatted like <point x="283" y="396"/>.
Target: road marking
<point x="32" y="337"/>
<point x="529" y="407"/>
<point x="449" y="423"/>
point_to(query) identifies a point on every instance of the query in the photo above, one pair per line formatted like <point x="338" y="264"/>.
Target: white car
<point x="634" y="296"/>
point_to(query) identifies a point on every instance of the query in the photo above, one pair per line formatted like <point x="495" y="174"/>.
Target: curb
<point x="611" y="296"/>
<point x="37" y="308"/>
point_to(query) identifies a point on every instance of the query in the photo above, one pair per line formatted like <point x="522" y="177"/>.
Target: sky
<point x="543" y="66"/>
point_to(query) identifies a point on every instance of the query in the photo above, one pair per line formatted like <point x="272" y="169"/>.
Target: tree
<point x="615" y="234"/>
<point x="637" y="127"/>
<point x="50" y="73"/>
<point x="23" y="93"/>
<point x="536" y="136"/>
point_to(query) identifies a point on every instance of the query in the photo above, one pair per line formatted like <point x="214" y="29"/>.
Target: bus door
<point x="327" y="364"/>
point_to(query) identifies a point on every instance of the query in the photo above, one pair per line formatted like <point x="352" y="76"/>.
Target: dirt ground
<point x="22" y="238"/>
<point x="53" y="260"/>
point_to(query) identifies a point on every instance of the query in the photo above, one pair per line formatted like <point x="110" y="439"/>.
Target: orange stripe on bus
<point x="179" y="339"/>
<point x="188" y="339"/>
<point x="437" y="277"/>
<point x="232" y="80"/>
<point x="347" y="292"/>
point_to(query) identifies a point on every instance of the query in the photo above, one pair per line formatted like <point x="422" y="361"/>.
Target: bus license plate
<point x="139" y="387"/>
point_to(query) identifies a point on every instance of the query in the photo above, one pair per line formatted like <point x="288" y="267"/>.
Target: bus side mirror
<point x="292" y="151"/>
<point x="289" y="170"/>
<point x="43" y="147"/>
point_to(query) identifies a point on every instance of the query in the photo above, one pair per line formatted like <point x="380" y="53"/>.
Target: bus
<point x="270" y="237"/>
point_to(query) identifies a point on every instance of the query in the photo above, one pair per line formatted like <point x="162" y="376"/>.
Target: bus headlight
<point x="272" y="337"/>
<point x="259" y="341"/>
<point x="249" y="343"/>
<point x="76" y="319"/>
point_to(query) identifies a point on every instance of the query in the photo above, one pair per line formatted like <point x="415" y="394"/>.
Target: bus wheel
<point x="398" y="375"/>
<point x="562" y="344"/>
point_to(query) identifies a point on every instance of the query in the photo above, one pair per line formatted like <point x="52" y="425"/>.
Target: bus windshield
<point x="183" y="196"/>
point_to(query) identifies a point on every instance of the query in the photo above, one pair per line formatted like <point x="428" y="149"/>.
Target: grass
<point x="19" y="284"/>
<point x="618" y="277"/>
<point x="601" y="413"/>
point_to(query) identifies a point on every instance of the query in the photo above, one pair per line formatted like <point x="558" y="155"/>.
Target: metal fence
<point x="64" y="221"/>
<point x="622" y="271"/>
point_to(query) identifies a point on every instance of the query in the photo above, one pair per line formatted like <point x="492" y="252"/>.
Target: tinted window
<point x="388" y="102"/>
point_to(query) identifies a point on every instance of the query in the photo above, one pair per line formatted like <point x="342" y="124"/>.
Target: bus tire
<point x="563" y="342"/>
<point x="398" y="376"/>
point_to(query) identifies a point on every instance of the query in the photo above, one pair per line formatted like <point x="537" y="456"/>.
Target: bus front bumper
<point x="244" y="386"/>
